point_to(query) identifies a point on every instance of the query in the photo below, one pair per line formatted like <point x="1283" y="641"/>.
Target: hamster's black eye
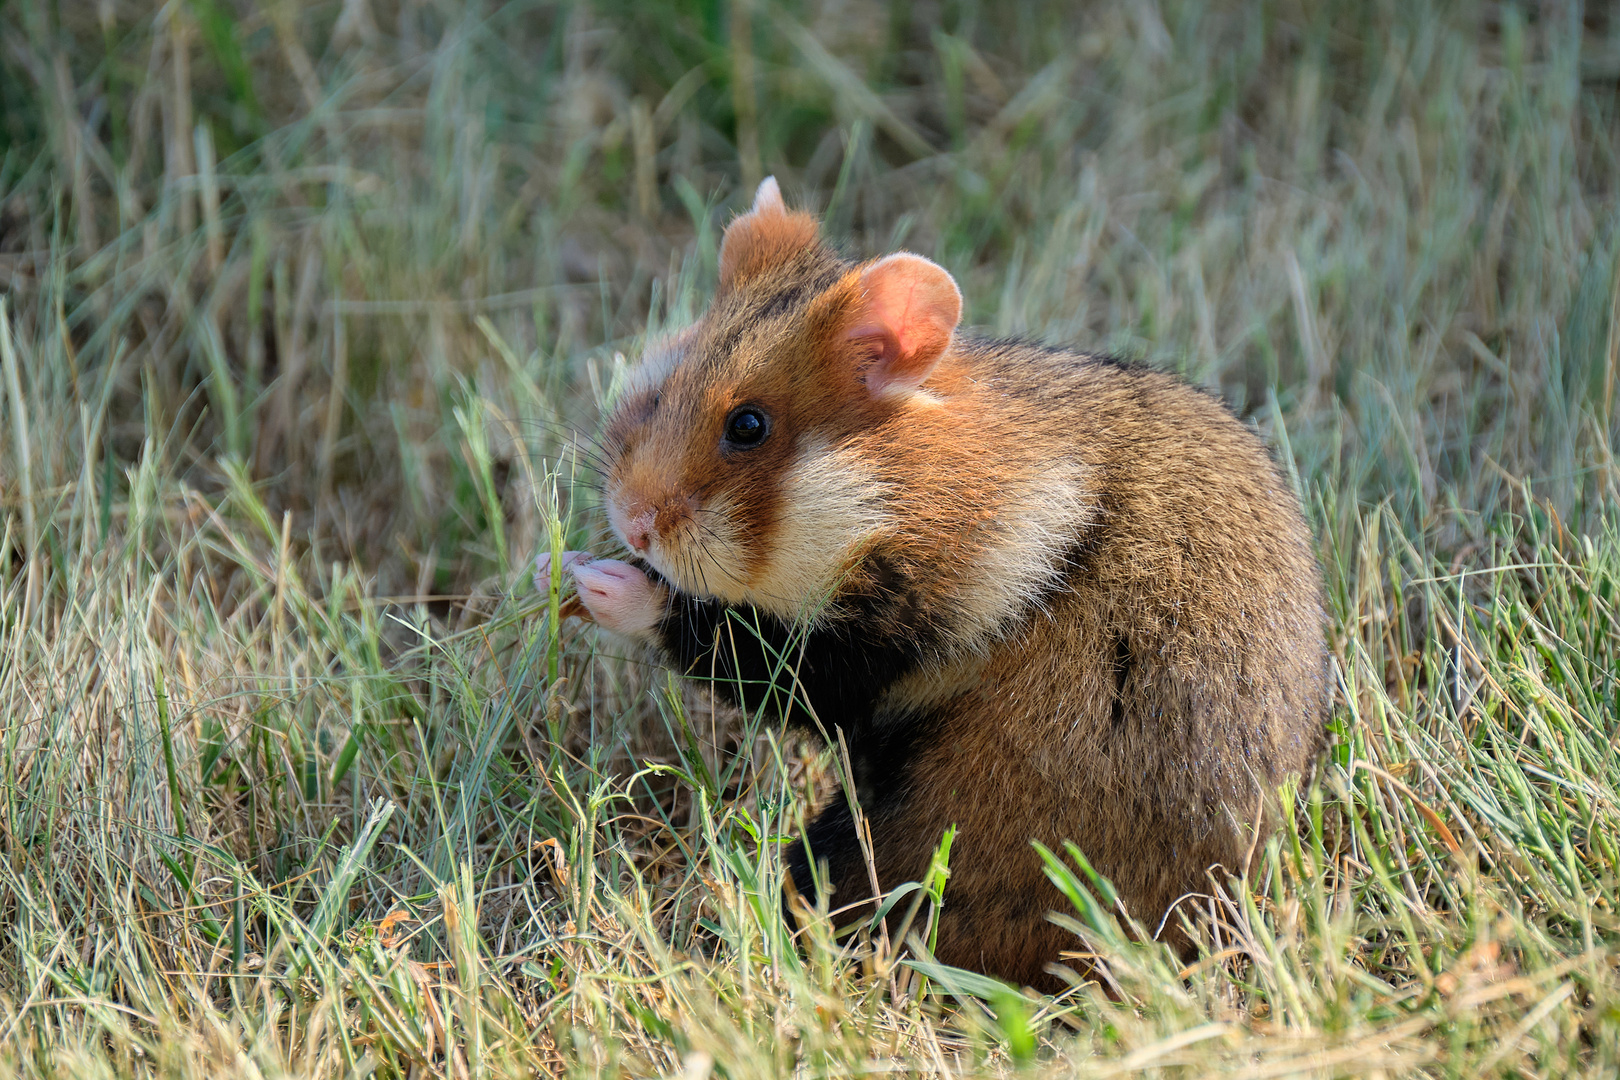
<point x="747" y="427"/>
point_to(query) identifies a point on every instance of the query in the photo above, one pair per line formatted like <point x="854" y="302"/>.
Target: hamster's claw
<point x="619" y="596"/>
<point x="542" y="566"/>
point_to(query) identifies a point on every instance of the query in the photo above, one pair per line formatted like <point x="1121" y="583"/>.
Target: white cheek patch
<point x="832" y="510"/>
<point x="831" y="507"/>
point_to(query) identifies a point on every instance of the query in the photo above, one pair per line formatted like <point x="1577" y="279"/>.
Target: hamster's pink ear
<point x="767" y="236"/>
<point x="910" y="310"/>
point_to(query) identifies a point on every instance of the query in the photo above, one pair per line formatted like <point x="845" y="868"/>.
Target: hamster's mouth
<point x="698" y="553"/>
<point x="694" y="566"/>
<point x="705" y="563"/>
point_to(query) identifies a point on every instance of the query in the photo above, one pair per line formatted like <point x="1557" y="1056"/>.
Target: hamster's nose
<point x="638" y="530"/>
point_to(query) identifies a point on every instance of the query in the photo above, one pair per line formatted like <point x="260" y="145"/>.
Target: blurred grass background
<point x="299" y="778"/>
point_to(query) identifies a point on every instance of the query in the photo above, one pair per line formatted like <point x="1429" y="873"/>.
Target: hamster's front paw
<point x="619" y="596"/>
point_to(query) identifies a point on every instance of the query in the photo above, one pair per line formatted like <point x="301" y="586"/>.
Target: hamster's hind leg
<point x="834" y="851"/>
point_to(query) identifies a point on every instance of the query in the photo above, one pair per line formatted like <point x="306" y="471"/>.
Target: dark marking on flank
<point x="1123" y="663"/>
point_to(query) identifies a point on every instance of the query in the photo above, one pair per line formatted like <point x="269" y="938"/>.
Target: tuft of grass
<point x="300" y="775"/>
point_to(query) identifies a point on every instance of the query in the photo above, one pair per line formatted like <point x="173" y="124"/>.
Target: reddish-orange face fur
<point x="824" y="354"/>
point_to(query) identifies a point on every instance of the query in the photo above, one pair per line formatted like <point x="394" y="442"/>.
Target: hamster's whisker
<point x="594" y="458"/>
<point x="709" y="555"/>
<point x="700" y="565"/>
<point x="568" y="437"/>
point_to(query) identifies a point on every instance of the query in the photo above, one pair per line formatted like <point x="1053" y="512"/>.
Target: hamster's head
<point x="745" y="453"/>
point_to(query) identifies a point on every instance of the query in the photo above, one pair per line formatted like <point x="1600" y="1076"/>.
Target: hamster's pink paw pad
<point x="619" y="596"/>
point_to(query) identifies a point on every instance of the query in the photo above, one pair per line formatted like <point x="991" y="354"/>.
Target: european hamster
<point x="1044" y="594"/>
